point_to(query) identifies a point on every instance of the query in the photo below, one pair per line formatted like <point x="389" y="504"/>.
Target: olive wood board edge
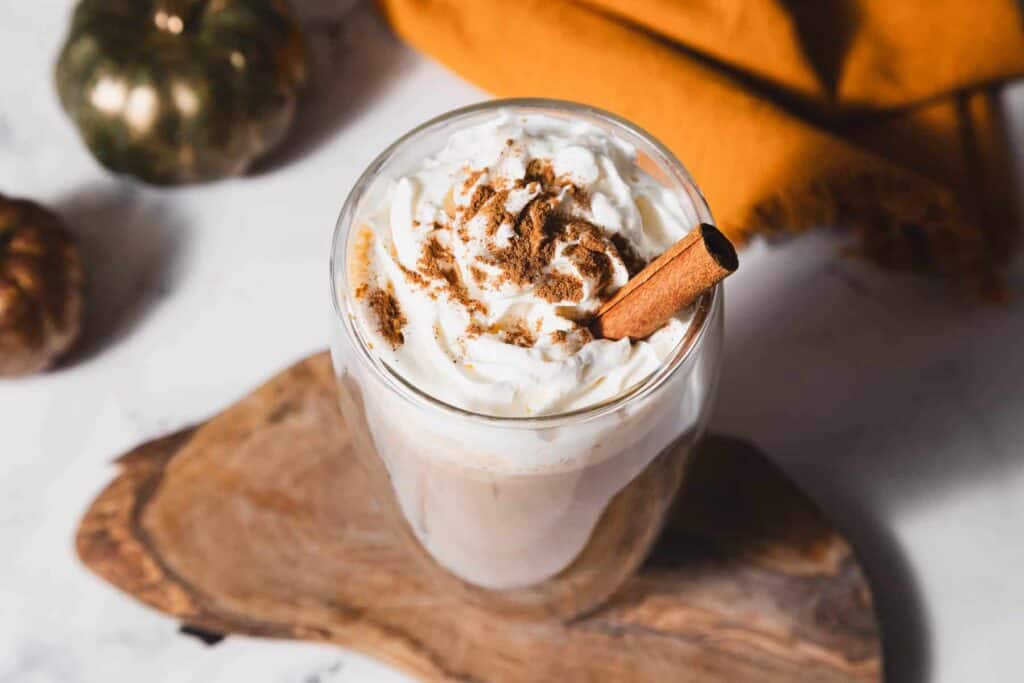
<point x="257" y="522"/>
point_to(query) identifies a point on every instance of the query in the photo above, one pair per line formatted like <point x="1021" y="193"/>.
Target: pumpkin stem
<point x="174" y="16"/>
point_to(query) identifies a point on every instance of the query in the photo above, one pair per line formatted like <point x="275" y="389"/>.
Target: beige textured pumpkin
<point x="40" y="288"/>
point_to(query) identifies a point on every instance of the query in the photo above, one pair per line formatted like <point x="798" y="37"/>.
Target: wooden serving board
<point x="258" y="522"/>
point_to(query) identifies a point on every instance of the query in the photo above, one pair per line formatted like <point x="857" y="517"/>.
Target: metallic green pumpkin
<point x="181" y="91"/>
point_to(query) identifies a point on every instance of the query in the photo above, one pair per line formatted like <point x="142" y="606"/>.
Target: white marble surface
<point x="896" y="405"/>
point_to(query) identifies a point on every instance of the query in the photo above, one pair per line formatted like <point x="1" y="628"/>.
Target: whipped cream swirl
<point x="474" y="278"/>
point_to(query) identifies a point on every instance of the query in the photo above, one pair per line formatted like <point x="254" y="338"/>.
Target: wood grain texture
<point x="257" y="522"/>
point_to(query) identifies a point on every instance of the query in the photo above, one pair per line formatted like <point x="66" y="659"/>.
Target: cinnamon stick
<point x="674" y="280"/>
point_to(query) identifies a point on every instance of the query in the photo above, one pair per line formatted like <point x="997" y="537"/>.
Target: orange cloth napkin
<point x="790" y="114"/>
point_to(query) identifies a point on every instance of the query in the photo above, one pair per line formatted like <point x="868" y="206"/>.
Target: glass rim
<point x="695" y="330"/>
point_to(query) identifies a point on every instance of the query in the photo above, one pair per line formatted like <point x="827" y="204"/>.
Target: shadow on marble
<point x="899" y="605"/>
<point x="896" y="380"/>
<point x="131" y="243"/>
<point x="353" y="57"/>
<point x="880" y="394"/>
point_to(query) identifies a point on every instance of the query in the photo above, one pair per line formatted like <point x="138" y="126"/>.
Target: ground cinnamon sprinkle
<point x="435" y="257"/>
<point x="590" y="254"/>
<point x="480" y="196"/>
<point x="532" y="246"/>
<point x="537" y="231"/>
<point x="438" y="263"/>
<point x="590" y="262"/>
<point x="520" y="335"/>
<point x="541" y="171"/>
<point x="479" y="275"/>
<point x="581" y="196"/>
<point x="390" y="319"/>
<point x="496" y="213"/>
<point x="560" y="287"/>
<point x="572" y="339"/>
<point x="538" y="227"/>
<point x="471" y="179"/>
<point x="489" y="203"/>
<point x="413" y="277"/>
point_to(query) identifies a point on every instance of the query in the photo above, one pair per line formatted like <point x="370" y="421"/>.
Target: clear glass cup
<point x="553" y="540"/>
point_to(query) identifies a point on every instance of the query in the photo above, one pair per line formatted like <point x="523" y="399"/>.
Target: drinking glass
<point x="539" y="516"/>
